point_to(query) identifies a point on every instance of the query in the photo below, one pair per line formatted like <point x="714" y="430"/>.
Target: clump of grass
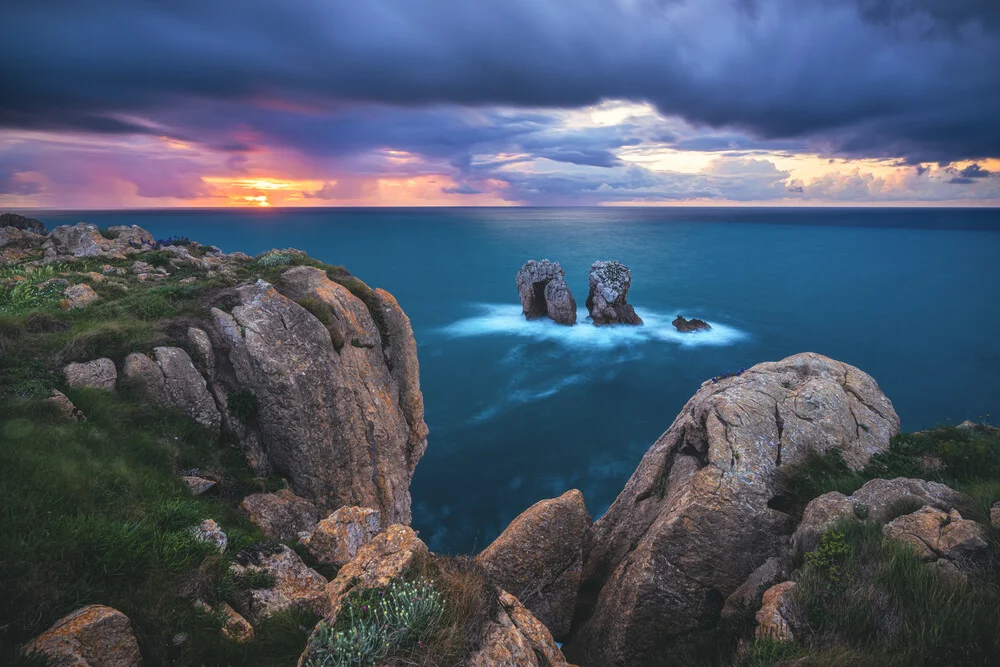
<point x="273" y="259"/>
<point x="322" y="311"/>
<point x="256" y="578"/>
<point x="27" y="296"/>
<point x="374" y="624"/>
<point x="767" y="651"/>
<point x="243" y="405"/>
<point x="367" y="295"/>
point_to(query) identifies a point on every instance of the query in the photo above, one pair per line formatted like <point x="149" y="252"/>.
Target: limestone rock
<point x="21" y="222"/>
<point x="688" y="326"/>
<point x="79" y="240"/>
<point x="337" y="538"/>
<point x="66" y="409"/>
<point x="209" y="531"/>
<point x="559" y="302"/>
<point x="531" y="281"/>
<point x="97" y="374"/>
<point x="773" y="619"/>
<point x="750" y="592"/>
<point x="93" y="636"/>
<point x="171" y="379"/>
<point x="934" y="534"/>
<point x="376" y="565"/>
<point x="281" y="515"/>
<point x="704" y="507"/>
<point x="540" y="558"/>
<point x="821" y="514"/>
<point x="882" y="497"/>
<point x="336" y="424"/>
<point x="296" y="585"/>
<point x="78" y="296"/>
<point x="516" y="639"/>
<point x="609" y="286"/>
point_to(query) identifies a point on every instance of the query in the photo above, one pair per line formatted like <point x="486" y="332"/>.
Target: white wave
<point x="522" y="396"/>
<point x="507" y="320"/>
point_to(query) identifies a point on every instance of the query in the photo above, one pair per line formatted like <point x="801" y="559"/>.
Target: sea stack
<point x="606" y="302"/>
<point x="690" y="326"/>
<point x="544" y="292"/>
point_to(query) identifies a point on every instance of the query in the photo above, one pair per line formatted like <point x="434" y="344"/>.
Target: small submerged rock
<point x="690" y="326"/>
<point x="609" y="286"/>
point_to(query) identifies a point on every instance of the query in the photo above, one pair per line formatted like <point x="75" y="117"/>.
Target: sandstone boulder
<point x="540" y="558"/>
<point x="606" y="301"/>
<point x="281" y="515"/>
<point x="94" y="636"/>
<point x="705" y="508"/>
<point x="934" y="534"/>
<point x="337" y="538"/>
<point x="296" y="585"/>
<point x="531" y="281"/>
<point x="776" y="616"/>
<point x="79" y="296"/>
<point x="21" y="222"/>
<point x="559" y="302"/>
<point x="97" y="374"/>
<point x="689" y="326"/>
<point x="337" y="425"/>
<point x="170" y="378"/>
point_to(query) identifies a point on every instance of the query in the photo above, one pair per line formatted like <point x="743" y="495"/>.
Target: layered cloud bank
<point x="124" y="103"/>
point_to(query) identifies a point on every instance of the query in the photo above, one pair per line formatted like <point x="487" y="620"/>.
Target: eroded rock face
<point x="170" y="378"/>
<point x="296" y="585"/>
<point x="94" y="636"/>
<point x="704" y="507"/>
<point x="97" y="374"/>
<point x="281" y="515"/>
<point x="690" y="326"/>
<point x="336" y="424"/>
<point x="531" y="281"/>
<point x="559" y="302"/>
<point x="337" y="538"/>
<point x="540" y="558"/>
<point x="516" y="639"/>
<point x="609" y="286"/>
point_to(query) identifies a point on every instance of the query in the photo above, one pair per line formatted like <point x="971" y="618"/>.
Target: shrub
<point x="373" y="624"/>
<point x="273" y="259"/>
<point x="243" y="405"/>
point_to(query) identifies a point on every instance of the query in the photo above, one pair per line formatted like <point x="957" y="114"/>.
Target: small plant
<point x="829" y="560"/>
<point x="738" y="373"/>
<point x="373" y="624"/>
<point x="243" y="405"/>
<point x="173" y="240"/>
<point x="861" y="511"/>
<point x="273" y="259"/>
<point x="255" y="578"/>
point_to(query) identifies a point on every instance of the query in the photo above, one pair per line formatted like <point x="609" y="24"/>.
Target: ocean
<point x="520" y="411"/>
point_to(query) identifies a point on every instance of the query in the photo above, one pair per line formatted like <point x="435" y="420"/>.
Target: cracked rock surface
<point x="703" y="509"/>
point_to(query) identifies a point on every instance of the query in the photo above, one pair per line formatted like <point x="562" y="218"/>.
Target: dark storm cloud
<point x="975" y="171"/>
<point x="882" y="78"/>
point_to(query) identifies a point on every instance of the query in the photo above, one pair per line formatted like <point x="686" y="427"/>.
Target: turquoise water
<point x="521" y="411"/>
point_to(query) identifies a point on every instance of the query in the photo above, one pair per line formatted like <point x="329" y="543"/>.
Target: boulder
<point x="750" y="592"/>
<point x="531" y="281"/>
<point x="934" y="534"/>
<point x="995" y="515"/>
<point x="337" y="538"/>
<point x="559" y="302"/>
<point x="281" y="515"/>
<point x="689" y="326"/>
<point x="606" y="301"/>
<point x="540" y="558"/>
<point x="705" y="506"/>
<point x="131" y="238"/>
<point x="209" y="531"/>
<point x="78" y="296"/>
<point x="515" y="638"/>
<point x="336" y="424"/>
<point x="96" y="374"/>
<point x="198" y="485"/>
<point x="882" y="498"/>
<point x="65" y="407"/>
<point x="776" y="616"/>
<point x="296" y="585"/>
<point x="171" y="379"/>
<point x="234" y="626"/>
<point x="93" y="636"/>
<point x="21" y="222"/>
<point x="821" y="514"/>
<point x="79" y="240"/>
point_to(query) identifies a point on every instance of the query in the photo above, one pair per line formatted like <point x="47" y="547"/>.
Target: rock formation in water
<point x="688" y="326"/>
<point x="544" y="292"/>
<point x="705" y="508"/>
<point x="606" y="301"/>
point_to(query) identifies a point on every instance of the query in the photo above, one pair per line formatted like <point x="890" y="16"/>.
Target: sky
<point x="135" y="103"/>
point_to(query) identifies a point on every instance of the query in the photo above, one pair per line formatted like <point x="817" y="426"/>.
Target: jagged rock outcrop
<point x="337" y="425"/>
<point x="544" y="292"/>
<point x="281" y="515"/>
<point x="93" y="636"/>
<point x="337" y="539"/>
<point x="705" y="508"/>
<point x="97" y="374"/>
<point x="606" y="301"/>
<point x="170" y="378"/>
<point x="296" y="585"/>
<point x="539" y="557"/>
<point x="21" y="222"/>
<point x="690" y="326"/>
<point x="515" y="638"/>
